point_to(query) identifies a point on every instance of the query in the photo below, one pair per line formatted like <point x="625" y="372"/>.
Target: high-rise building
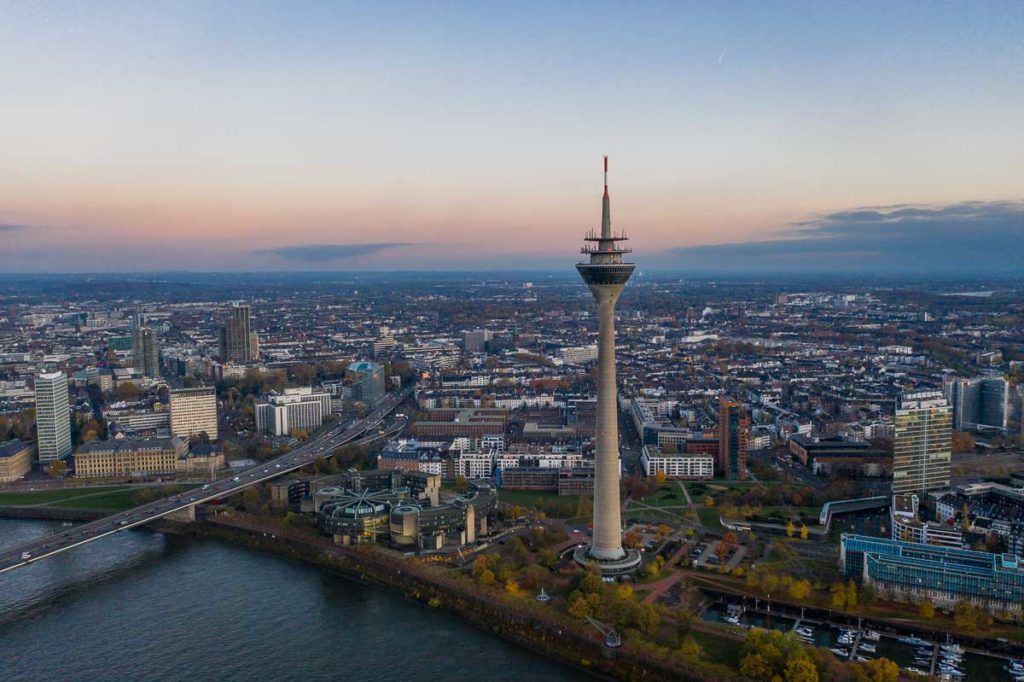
<point x="733" y="426"/>
<point x="923" y="446"/>
<point x="605" y="274"/>
<point x="979" y="404"/>
<point x="145" y="351"/>
<point x="295" y="409"/>
<point x="369" y="381"/>
<point x="475" y="341"/>
<point x="194" y="411"/>
<point x="53" y="417"/>
<point x="238" y="343"/>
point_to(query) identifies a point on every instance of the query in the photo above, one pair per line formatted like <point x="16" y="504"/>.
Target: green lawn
<point x="709" y="517"/>
<point x="112" y="501"/>
<point x="52" y="496"/>
<point x="719" y="649"/>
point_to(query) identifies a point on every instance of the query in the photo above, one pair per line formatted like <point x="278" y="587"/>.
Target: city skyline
<point x="333" y="137"/>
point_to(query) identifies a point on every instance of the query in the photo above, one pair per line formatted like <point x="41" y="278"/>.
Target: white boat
<point x="870" y="648"/>
<point x="915" y="671"/>
<point x="860" y="659"/>
<point x="952" y="648"/>
<point x="805" y="631"/>
<point x="841" y="653"/>
<point x="871" y="634"/>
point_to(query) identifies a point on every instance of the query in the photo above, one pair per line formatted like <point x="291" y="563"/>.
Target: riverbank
<point x="520" y="620"/>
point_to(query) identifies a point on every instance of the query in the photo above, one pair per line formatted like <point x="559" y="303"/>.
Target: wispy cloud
<point x="11" y="227"/>
<point x="971" y="236"/>
<point x="327" y="252"/>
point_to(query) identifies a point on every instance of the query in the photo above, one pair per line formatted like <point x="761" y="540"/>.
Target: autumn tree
<point x="927" y="609"/>
<point x="804" y="531"/>
<point x="58" y="468"/>
<point x="660" y="477"/>
<point x="800" y="669"/>
<point x="790" y="528"/>
<point x="727" y="544"/>
<point x="881" y="670"/>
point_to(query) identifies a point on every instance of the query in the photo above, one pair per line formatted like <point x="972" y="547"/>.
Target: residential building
<point x="676" y="465"/>
<point x="906" y="525"/>
<point x="194" y="411"/>
<point x="15" y="460"/>
<point x="578" y="355"/>
<point x="733" y="426"/>
<point x="238" y="343"/>
<point x="922" y="449"/>
<point x="53" y="417"/>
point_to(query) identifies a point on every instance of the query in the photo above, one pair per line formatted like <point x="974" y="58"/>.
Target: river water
<point x="145" y="606"/>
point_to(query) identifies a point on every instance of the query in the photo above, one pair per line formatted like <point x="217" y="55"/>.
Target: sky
<point x="743" y="136"/>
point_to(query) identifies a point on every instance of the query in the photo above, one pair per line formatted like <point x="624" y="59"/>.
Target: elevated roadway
<point x="362" y="430"/>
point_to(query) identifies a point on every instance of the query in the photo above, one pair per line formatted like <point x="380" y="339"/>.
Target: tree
<point x="804" y="531"/>
<point x="512" y="587"/>
<point x="660" y="477"/>
<point x="633" y="540"/>
<point x="461" y="484"/>
<point x="851" y="594"/>
<point x="578" y="606"/>
<point x="647" y="619"/>
<point x="963" y="442"/>
<point x="756" y="667"/>
<point x="927" y="609"/>
<point x="201" y="438"/>
<point x="709" y="501"/>
<point x="838" y="595"/>
<point x="800" y="669"/>
<point x="487" y="578"/>
<point x="727" y="544"/>
<point x="799" y="589"/>
<point x="251" y="500"/>
<point x="882" y="670"/>
<point x="58" y="468"/>
<point x="790" y="528"/>
<point x="965" y="517"/>
<point x="968" y="618"/>
<point x="689" y="648"/>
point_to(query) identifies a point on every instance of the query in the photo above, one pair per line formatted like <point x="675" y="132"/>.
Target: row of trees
<point x="772" y="655"/>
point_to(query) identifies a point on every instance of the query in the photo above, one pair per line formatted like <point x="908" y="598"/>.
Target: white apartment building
<point x="677" y="465"/>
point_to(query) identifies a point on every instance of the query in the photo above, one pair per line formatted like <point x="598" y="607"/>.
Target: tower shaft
<point x="607" y="536"/>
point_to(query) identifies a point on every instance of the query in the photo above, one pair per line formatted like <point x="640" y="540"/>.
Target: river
<point x="146" y="606"/>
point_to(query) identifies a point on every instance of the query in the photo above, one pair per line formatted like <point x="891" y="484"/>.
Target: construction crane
<point x="612" y="640"/>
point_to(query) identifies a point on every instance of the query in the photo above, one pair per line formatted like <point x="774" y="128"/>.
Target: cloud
<point x="9" y="227"/>
<point x="971" y="236"/>
<point x="327" y="252"/>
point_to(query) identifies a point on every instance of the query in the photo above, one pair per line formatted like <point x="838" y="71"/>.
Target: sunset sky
<point x="374" y="136"/>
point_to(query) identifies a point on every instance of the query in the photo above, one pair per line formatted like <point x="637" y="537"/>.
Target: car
<point x="206" y="486"/>
<point x="25" y="556"/>
<point x="235" y="479"/>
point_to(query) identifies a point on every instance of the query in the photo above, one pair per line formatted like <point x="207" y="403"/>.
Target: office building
<point x="15" y="460"/>
<point x="53" y="417"/>
<point x="145" y="351"/>
<point x="295" y="409"/>
<point x="605" y="274"/>
<point x="121" y="458"/>
<point x="979" y="404"/>
<point x="194" y="411"/>
<point x="476" y="341"/>
<point x="733" y="426"/>
<point x="369" y="381"/>
<point x="905" y="525"/>
<point x="238" y="343"/>
<point x="923" y="446"/>
<point x="914" y="572"/>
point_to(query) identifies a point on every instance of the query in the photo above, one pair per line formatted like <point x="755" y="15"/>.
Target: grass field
<point x="719" y="649"/>
<point x="103" y="498"/>
<point x="53" y="496"/>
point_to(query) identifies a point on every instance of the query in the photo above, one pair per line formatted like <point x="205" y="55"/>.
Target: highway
<point x="323" y="445"/>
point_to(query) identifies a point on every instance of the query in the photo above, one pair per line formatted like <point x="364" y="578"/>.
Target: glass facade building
<point x="944" y="575"/>
<point x="923" y="447"/>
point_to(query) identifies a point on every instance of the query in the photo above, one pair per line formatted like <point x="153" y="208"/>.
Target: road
<point x="321" y="446"/>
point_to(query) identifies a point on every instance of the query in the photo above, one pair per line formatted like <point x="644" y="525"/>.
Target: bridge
<point x="183" y="505"/>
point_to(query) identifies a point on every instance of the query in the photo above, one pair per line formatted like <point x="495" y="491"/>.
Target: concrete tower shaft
<point x="606" y="274"/>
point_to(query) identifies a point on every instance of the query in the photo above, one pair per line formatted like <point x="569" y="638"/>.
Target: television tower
<point x="606" y="274"/>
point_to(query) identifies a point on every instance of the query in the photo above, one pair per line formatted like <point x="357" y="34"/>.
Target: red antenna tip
<point x="606" y="164"/>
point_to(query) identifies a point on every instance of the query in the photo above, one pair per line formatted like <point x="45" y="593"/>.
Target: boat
<point x="841" y="653"/>
<point x="870" y="648"/>
<point x="805" y="631"/>
<point x="952" y="648"/>
<point x="543" y="597"/>
<point x="871" y="634"/>
<point x="914" y="640"/>
<point x="915" y="671"/>
<point x="861" y="659"/>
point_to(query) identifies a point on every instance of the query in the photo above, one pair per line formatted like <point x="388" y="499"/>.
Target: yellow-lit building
<point x="15" y="460"/>
<point x="149" y="457"/>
